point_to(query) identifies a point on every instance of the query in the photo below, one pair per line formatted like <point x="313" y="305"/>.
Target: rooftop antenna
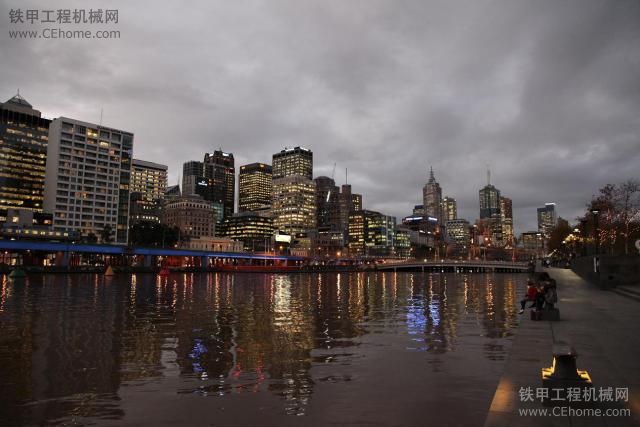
<point x="346" y="176"/>
<point x="488" y="175"/>
<point x="101" y="111"/>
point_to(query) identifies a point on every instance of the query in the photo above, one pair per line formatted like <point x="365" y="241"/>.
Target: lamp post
<point x="595" y="213"/>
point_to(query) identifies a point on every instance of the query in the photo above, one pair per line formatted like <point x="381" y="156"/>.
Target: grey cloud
<point x="545" y="92"/>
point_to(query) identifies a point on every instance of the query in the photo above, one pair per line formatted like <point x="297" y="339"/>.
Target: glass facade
<point x="148" y="186"/>
<point x="293" y="203"/>
<point x="371" y="234"/>
<point x="293" y="161"/>
<point x="547" y="219"/>
<point x="23" y="152"/>
<point x="255" y="231"/>
<point x="255" y="187"/>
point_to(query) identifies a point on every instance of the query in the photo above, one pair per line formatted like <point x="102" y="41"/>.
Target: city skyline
<point x="388" y="91"/>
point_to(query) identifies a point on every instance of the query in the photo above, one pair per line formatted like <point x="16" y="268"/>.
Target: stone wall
<point x="613" y="270"/>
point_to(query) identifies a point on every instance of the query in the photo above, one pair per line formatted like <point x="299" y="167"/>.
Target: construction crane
<point x="332" y="175"/>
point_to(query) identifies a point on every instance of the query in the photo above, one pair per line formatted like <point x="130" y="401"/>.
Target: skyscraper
<point x="547" y="219"/>
<point x="371" y="233"/>
<point x="506" y="215"/>
<point x="213" y="179"/>
<point x="294" y="193"/>
<point x="23" y="151"/>
<point x="490" y="209"/>
<point x="192" y="173"/>
<point x="349" y="202"/>
<point x="220" y="167"/>
<point x="327" y="204"/>
<point x="432" y="197"/>
<point x="489" y="202"/>
<point x="88" y="177"/>
<point x="293" y="161"/>
<point x="449" y="209"/>
<point x="148" y="186"/>
<point x="255" y="188"/>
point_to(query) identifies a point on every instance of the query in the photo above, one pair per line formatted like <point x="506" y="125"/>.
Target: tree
<point x="150" y="233"/>
<point x="558" y="235"/>
<point x="627" y="203"/>
<point x="616" y="212"/>
<point x="106" y="235"/>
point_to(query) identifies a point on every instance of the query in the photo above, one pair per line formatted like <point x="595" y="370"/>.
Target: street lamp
<point x="595" y="213"/>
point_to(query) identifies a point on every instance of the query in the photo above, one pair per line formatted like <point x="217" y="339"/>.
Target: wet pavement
<point x="603" y="327"/>
<point x="380" y="349"/>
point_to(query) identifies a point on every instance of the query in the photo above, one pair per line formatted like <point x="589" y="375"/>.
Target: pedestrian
<point x="530" y="296"/>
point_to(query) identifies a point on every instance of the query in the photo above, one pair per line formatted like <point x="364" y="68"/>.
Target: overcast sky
<point x="545" y="92"/>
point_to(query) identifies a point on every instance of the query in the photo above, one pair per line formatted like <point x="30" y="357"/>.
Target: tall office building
<point x="371" y="234"/>
<point x="294" y="193"/>
<point x="87" y="180"/>
<point x="458" y="231"/>
<point x="23" y="152"/>
<point x="294" y="204"/>
<point x="547" y="219"/>
<point x="148" y="179"/>
<point x="432" y="197"/>
<point x="490" y="209"/>
<point x="327" y="204"/>
<point x="220" y="167"/>
<point x="253" y="229"/>
<point x="506" y="215"/>
<point x="148" y="186"/>
<point x="489" y="202"/>
<point x="212" y="179"/>
<point x="349" y="203"/>
<point x="255" y="187"/>
<point x="293" y="161"/>
<point x="449" y="209"/>
<point x="192" y="173"/>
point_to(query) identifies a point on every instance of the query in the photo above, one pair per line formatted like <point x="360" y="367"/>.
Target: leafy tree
<point x="150" y="233"/>
<point x="106" y="235"/>
<point x="558" y="235"/>
<point x="90" y="238"/>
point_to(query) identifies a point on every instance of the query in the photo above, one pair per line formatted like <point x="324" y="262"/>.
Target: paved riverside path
<point x="603" y="327"/>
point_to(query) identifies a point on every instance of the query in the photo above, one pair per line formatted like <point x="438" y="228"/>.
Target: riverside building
<point x="87" y="179"/>
<point x="294" y="192"/>
<point x="23" y="152"/>
<point x="255" y="188"/>
<point x="148" y="186"/>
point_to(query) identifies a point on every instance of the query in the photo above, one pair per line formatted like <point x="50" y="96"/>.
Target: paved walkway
<point x="603" y="327"/>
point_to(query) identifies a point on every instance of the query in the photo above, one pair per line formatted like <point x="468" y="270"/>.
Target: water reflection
<point x="71" y="346"/>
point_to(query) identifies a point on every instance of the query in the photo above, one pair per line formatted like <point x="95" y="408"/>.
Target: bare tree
<point x="627" y="209"/>
<point x="618" y="215"/>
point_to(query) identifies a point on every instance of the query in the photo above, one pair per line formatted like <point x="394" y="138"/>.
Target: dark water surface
<point x="250" y="349"/>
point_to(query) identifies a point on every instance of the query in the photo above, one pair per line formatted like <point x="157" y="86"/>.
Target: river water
<point x="250" y="349"/>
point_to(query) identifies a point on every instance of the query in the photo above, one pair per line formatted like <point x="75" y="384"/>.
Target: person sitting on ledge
<point x="550" y="294"/>
<point x="531" y="296"/>
<point x="540" y="292"/>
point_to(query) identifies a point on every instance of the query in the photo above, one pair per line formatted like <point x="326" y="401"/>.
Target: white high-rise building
<point x="87" y="179"/>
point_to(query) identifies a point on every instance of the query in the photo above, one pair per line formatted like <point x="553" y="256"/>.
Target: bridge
<point x="61" y="254"/>
<point x="456" y="266"/>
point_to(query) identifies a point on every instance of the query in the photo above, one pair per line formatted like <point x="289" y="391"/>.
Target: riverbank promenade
<point x="604" y="329"/>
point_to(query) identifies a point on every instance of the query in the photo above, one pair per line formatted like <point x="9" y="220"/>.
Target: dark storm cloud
<point x="545" y="92"/>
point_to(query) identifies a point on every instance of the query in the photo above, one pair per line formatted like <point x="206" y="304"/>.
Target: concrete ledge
<point x="601" y="326"/>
